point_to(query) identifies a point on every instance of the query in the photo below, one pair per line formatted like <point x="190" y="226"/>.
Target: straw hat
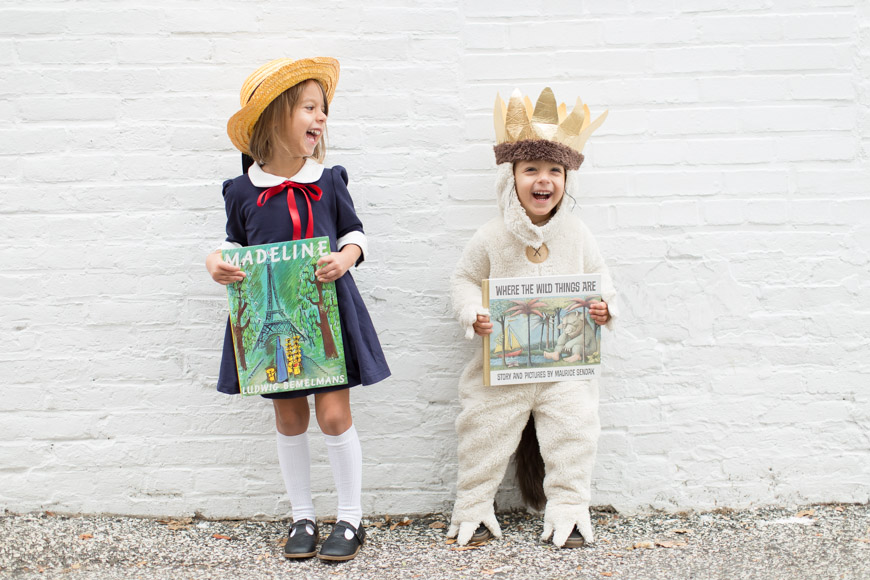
<point x="269" y="81"/>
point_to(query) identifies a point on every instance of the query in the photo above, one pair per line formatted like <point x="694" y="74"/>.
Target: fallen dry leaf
<point x="865" y="540"/>
<point x="607" y="573"/>
<point x="378" y="525"/>
<point x="806" y="513"/>
<point x="220" y="537"/>
<point x="50" y="514"/>
<point x="464" y="548"/>
<point x="451" y="541"/>
<point x="839" y="508"/>
<point x="402" y="523"/>
<point x="281" y="542"/>
<point x="669" y="544"/>
<point x="179" y="524"/>
<point x="75" y="566"/>
<point x="643" y="545"/>
<point x="579" y="568"/>
<point x="86" y="537"/>
<point x="488" y="572"/>
<point x="682" y="531"/>
<point x="437" y="525"/>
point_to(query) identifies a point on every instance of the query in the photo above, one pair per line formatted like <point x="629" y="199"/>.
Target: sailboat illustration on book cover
<point x="285" y="324"/>
<point x="542" y="331"/>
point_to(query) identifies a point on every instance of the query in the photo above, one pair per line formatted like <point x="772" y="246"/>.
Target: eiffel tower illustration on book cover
<point x="286" y="328"/>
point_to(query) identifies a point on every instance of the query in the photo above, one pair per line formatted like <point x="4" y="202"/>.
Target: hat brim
<point x="531" y="149"/>
<point x="274" y="82"/>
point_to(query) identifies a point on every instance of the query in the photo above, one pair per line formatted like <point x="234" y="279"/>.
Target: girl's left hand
<point x="599" y="312"/>
<point x="333" y="266"/>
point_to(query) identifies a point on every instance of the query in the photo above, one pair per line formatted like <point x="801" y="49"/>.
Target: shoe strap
<point x="303" y="523"/>
<point x="358" y="532"/>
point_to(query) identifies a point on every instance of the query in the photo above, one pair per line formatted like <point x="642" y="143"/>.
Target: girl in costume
<point x="287" y="194"/>
<point x="535" y="234"/>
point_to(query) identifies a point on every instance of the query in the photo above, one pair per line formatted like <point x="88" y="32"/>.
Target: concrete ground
<point x="822" y="541"/>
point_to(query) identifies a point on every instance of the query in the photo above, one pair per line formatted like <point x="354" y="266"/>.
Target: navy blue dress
<point x="334" y="217"/>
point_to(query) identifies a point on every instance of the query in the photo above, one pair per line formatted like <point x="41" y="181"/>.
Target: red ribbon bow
<point x="307" y="190"/>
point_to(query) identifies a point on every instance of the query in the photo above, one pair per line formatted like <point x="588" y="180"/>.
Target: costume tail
<point x="530" y="468"/>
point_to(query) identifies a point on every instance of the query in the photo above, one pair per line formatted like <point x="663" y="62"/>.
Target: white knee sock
<point x="295" y="461"/>
<point x="345" y="456"/>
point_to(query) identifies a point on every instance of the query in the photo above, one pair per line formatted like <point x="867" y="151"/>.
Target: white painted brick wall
<point x="729" y="191"/>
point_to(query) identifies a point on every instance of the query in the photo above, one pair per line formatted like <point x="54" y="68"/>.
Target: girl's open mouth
<point x="541" y="195"/>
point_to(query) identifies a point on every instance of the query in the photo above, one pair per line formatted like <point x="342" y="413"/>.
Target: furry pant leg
<point x="488" y="428"/>
<point x="566" y="417"/>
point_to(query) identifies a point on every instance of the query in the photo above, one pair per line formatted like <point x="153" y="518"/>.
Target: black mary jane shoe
<point x="575" y="539"/>
<point x="481" y="535"/>
<point x="301" y="544"/>
<point x="337" y="548"/>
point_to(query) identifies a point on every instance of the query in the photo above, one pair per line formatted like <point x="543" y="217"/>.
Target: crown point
<point x="519" y="121"/>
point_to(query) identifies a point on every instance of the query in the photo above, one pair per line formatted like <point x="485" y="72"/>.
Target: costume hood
<point x="515" y="218"/>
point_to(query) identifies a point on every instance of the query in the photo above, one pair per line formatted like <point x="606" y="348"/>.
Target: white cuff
<point x="357" y="238"/>
<point x="227" y="245"/>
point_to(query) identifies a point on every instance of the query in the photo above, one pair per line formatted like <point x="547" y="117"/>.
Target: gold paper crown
<point x="545" y="132"/>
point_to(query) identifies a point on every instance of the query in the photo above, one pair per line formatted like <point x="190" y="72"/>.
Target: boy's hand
<point x="482" y="326"/>
<point x="599" y="313"/>
<point x="333" y="266"/>
<point x="222" y="272"/>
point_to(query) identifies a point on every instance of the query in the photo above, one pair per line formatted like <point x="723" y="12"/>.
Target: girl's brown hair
<point x="266" y="137"/>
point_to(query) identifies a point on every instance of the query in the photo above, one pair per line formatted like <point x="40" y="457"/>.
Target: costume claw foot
<point x="560" y="521"/>
<point x="573" y="358"/>
<point x="463" y="531"/>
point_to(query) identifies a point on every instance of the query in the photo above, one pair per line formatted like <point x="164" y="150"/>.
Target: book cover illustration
<point x="542" y="331"/>
<point x="285" y="324"/>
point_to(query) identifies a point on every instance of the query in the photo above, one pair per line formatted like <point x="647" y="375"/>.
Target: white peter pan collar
<point x="310" y="172"/>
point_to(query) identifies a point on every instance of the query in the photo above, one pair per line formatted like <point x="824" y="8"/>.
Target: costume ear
<point x="247" y="161"/>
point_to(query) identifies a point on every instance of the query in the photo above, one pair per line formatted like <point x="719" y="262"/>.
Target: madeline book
<point x="285" y="324"/>
<point x="542" y="331"/>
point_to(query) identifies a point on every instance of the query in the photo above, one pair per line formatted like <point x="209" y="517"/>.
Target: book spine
<point x="484" y="289"/>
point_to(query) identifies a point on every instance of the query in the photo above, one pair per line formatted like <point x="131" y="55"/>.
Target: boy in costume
<point x="538" y="153"/>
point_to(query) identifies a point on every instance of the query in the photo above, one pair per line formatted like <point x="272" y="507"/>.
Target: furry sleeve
<point x="465" y="293"/>
<point x="594" y="263"/>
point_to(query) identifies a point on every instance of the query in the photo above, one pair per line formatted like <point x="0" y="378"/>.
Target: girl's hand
<point x="333" y="266"/>
<point x="222" y="272"/>
<point x="482" y="326"/>
<point x="599" y="312"/>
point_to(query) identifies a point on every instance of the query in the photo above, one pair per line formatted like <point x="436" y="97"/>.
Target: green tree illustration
<point x="323" y="304"/>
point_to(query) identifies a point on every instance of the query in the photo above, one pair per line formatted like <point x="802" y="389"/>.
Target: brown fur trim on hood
<point x="531" y="149"/>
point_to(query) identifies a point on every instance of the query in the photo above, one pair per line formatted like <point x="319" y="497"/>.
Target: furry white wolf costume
<point x="492" y="418"/>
